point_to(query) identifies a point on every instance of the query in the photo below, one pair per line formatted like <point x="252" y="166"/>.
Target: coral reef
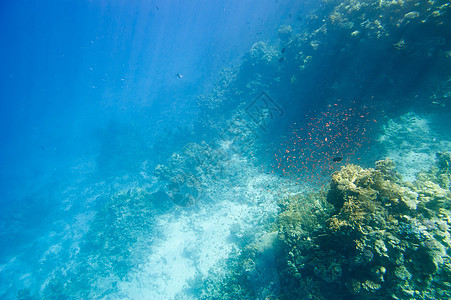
<point x="389" y="54"/>
<point x="189" y="172"/>
<point x="116" y="242"/>
<point x="183" y="174"/>
<point x="385" y="238"/>
<point x="250" y="273"/>
<point x="385" y="45"/>
<point x="373" y="235"/>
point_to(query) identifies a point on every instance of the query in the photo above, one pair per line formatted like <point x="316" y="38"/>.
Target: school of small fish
<point x="331" y="137"/>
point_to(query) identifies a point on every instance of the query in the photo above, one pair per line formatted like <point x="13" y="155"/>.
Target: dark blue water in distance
<point x="211" y="149"/>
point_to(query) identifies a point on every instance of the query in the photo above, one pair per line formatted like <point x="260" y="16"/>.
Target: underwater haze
<point x="274" y="149"/>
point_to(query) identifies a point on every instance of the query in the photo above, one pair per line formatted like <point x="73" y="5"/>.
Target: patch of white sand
<point x="196" y="242"/>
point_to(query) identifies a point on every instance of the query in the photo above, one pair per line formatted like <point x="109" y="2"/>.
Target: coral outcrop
<point x="184" y="173"/>
<point x="384" y="238"/>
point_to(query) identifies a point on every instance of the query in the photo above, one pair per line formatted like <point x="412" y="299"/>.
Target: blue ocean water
<point x="148" y="147"/>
